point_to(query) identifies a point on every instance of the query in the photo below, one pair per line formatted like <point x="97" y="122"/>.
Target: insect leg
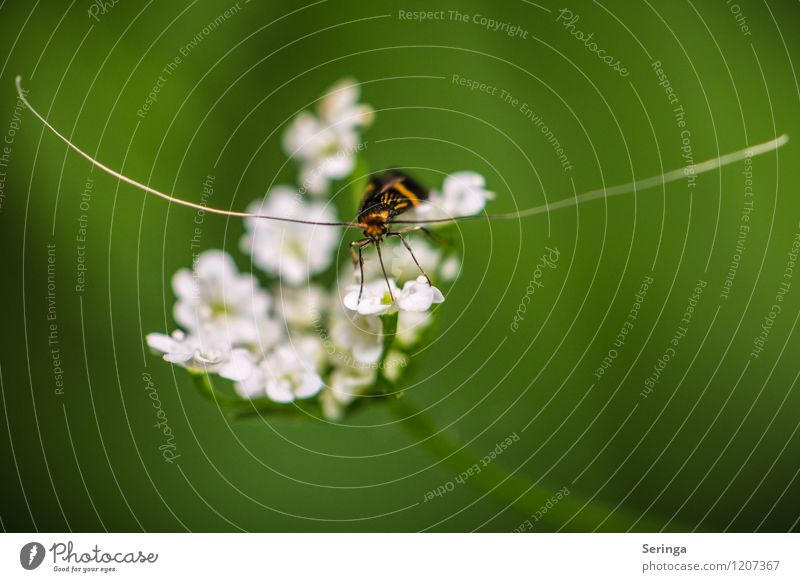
<point x="408" y="247"/>
<point x="361" y="274"/>
<point x="359" y="246"/>
<point x="385" y="276"/>
<point x="436" y="238"/>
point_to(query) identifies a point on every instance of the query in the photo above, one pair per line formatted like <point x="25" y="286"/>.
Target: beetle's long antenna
<point x="155" y="192"/>
<point x="643" y="184"/>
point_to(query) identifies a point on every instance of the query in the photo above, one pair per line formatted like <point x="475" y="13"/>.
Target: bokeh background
<point x="714" y="447"/>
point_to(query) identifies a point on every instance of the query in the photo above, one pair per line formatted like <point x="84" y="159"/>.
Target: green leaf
<point x="511" y="490"/>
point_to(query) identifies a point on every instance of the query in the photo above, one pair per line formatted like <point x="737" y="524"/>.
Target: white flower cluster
<point x="297" y="339"/>
<point x="324" y="145"/>
<point x="462" y="194"/>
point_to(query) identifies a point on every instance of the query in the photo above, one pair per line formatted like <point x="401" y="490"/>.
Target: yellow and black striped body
<point x="386" y="196"/>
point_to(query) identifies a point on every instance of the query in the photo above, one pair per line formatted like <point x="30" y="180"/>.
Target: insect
<point x="385" y="197"/>
<point x="392" y="193"/>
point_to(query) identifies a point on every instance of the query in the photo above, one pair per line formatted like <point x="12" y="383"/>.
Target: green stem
<point x="389" y="329"/>
<point x="358" y="179"/>
<point x="505" y="488"/>
<point x="237" y="408"/>
<point x="551" y="508"/>
<point x="509" y="490"/>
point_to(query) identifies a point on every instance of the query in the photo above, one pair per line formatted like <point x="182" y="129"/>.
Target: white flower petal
<point x="184" y="285"/>
<point x="373" y="298"/>
<point x="418" y="295"/>
<point x="338" y="165"/>
<point x="410" y="325"/>
<point x="215" y="264"/>
<point x="308" y="385"/>
<point x="365" y="305"/>
<point x="160" y="342"/>
<point x="367" y="353"/>
<point x="280" y="391"/>
<point x="339" y="98"/>
<point x="238" y="367"/>
<point x="209" y="354"/>
<point x="464" y="193"/>
<point x="293" y="252"/>
<point x="395" y="362"/>
<point x="216" y="300"/>
<point x="313" y="180"/>
<point x="399" y="263"/>
<point x="351" y="300"/>
<point x="449" y="268"/>
<point x="359" y="335"/>
<point x="324" y="146"/>
<point x="252" y="386"/>
<point x="346" y="383"/>
<point x="301" y="135"/>
<point x="301" y="307"/>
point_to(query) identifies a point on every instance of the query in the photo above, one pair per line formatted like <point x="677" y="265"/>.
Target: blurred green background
<point x="714" y="447"/>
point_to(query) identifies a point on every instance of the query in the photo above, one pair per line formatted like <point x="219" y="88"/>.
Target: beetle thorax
<point x="376" y="224"/>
